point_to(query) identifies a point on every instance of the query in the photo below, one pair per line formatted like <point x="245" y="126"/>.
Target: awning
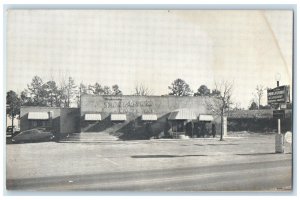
<point x="92" y="117"/>
<point x="118" y="117"/>
<point x="182" y="114"/>
<point x="207" y="118"/>
<point x="149" y="117"/>
<point x="38" y="115"/>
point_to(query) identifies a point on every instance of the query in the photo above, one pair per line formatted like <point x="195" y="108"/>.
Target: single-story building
<point x="138" y="117"/>
<point x="126" y="116"/>
<point x="62" y="121"/>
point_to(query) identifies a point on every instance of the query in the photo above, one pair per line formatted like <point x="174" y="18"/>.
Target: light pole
<point x="277" y="78"/>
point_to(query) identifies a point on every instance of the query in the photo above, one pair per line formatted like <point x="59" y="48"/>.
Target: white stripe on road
<point x="114" y="163"/>
<point x="110" y="161"/>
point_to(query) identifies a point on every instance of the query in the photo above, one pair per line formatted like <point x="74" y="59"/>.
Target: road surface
<point x="258" y="176"/>
<point x="246" y="163"/>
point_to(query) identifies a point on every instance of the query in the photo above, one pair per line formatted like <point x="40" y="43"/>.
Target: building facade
<point x="141" y="117"/>
<point x="127" y="117"/>
<point x="62" y="121"/>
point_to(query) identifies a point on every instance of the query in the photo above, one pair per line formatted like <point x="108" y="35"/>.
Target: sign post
<point x="276" y="97"/>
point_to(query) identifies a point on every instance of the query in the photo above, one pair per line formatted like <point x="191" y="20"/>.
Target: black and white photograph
<point x="149" y="100"/>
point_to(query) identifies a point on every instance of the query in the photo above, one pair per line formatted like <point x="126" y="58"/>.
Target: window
<point x="34" y="124"/>
<point x="39" y="123"/>
<point x="178" y="126"/>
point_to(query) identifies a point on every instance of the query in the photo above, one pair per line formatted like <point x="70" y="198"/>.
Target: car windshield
<point x="31" y="131"/>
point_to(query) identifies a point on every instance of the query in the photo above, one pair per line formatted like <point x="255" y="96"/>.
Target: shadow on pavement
<point x="164" y="156"/>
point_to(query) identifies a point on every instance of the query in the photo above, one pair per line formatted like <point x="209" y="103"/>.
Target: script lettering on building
<point x="130" y="103"/>
<point x="128" y="106"/>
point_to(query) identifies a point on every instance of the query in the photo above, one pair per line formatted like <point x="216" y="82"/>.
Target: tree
<point x="253" y="106"/>
<point x="82" y="89"/>
<point x="62" y="95"/>
<point x="52" y="93"/>
<point x="221" y="101"/>
<point x="25" y="98"/>
<point x="202" y="91"/>
<point x="215" y="92"/>
<point x="13" y="104"/>
<point x="141" y="90"/>
<point x="116" y="90"/>
<point x="71" y="90"/>
<point x="180" y="88"/>
<point x="259" y="92"/>
<point x="106" y="90"/>
<point x="266" y="107"/>
<point x="237" y="106"/>
<point x="96" y="89"/>
<point x="37" y="91"/>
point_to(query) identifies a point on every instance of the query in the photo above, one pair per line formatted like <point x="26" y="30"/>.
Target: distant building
<point x="16" y="121"/>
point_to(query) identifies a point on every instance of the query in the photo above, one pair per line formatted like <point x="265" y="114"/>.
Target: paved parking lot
<point x="58" y="159"/>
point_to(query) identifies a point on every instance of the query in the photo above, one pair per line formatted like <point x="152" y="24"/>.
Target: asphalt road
<point x="252" y="176"/>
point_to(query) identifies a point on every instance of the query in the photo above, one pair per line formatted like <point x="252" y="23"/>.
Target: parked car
<point x="33" y="135"/>
<point x="11" y="131"/>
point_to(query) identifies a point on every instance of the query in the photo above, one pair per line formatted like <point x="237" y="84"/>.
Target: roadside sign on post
<point x="279" y="95"/>
<point x="276" y="97"/>
<point x="278" y="114"/>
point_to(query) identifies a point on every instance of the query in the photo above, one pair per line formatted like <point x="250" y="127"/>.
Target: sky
<point x="152" y="48"/>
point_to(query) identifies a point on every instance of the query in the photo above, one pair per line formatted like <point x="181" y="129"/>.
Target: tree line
<point x="67" y="93"/>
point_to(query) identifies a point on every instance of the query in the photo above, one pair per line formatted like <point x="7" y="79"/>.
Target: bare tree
<point x="82" y="89"/>
<point x="259" y="92"/>
<point x="221" y="102"/>
<point x="141" y="90"/>
<point x="62" y="92"/>
<point x="71" y="91"/>
<point x="237" y="106"/>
